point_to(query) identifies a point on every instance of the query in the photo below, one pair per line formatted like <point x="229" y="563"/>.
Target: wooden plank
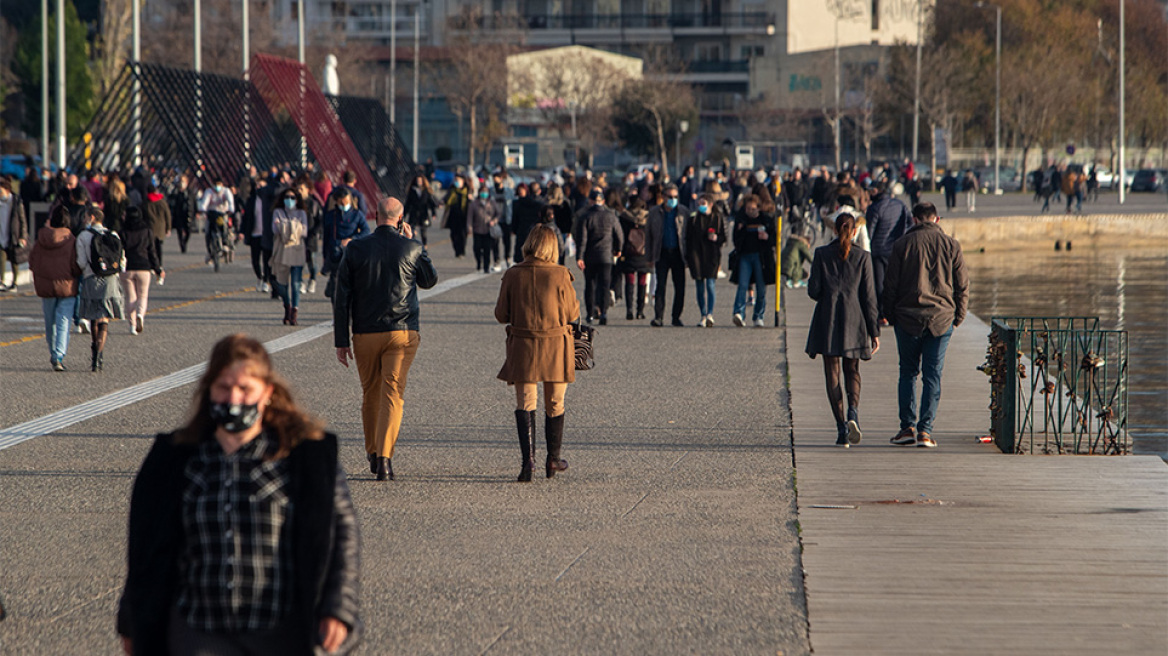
<point x="1022" y="554"/>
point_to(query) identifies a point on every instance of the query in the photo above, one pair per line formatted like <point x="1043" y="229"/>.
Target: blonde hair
<point x="542" y="244"/>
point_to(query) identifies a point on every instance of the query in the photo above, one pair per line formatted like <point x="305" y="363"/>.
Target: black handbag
<point x="583" y="335"/>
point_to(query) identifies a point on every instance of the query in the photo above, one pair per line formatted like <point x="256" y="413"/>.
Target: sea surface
<point x="1126" y="287"/>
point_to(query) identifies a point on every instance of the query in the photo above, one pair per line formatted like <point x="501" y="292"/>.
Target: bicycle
<point x="219" y="242"/>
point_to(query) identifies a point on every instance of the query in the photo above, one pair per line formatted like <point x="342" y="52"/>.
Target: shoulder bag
<point x="584" y="336"/>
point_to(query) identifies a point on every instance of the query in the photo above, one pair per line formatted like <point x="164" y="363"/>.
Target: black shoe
<point x="384" y="469"/>
<point x="525" y="427"/>
<point x="603" y="320"/>
<point x="629" y="315"/>
<point x="656" y="323"/>
<point x="678" y="324"/>
<point x="372" y="462"/>
<point x="640" y="316"/>
<point x="554" y="434"/>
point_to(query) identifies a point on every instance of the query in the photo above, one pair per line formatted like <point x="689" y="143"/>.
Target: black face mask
<point x="235" y="417"/>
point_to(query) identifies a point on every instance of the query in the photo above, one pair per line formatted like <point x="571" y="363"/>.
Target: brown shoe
<point x="925" y="442"/>
<point x="906" y="437"/>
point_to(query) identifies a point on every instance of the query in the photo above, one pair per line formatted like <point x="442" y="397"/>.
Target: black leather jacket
<point x="325" y="545"/>
<point x="377" y="284"/>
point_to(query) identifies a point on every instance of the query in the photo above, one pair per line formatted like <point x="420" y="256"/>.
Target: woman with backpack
<point x="633" y="263"/>
<point x="141" y="259"/>
<point x="101" y="257"/>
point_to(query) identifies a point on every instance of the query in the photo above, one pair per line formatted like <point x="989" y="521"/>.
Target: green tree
<point x="26" y="66"/>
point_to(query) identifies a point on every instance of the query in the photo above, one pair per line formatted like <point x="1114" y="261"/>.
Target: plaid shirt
<point x="235" y="571"/>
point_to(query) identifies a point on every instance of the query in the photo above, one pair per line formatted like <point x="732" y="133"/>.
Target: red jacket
<point x="53" y="263"/>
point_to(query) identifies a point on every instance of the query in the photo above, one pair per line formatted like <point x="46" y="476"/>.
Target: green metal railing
<point x="1058" y="385"/>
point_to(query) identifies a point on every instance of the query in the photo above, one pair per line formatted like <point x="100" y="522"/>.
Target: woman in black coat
<point x="141" y="260"/>
<point x="705" y="232"/>
<point x="420" y="206"/>
<point x="845" y="324"/>
<point x="250" y="475"/>
<point x="634" y="264"/>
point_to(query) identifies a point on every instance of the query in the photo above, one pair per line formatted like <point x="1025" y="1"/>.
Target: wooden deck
<point x="961" y="549"/>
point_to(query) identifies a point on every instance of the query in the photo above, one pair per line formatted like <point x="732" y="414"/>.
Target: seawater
<point x="1125" y="286"/>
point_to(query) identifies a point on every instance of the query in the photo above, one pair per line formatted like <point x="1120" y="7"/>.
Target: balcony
<point x="380" y="27"/>
<point x="698" y="23"/>
<point x="718" y="72"/>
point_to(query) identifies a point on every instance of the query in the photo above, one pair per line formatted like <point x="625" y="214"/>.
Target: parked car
<point x="14" y="165"/>
<point x="1008" y="174"/>
<point x="1150" y="180"/>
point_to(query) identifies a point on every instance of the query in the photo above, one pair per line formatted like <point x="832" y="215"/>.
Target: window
<point x="752" y="51"/>
<point x="294" y="10"/>
<point x="875" y="15"/>
<point x="708" y="52"/>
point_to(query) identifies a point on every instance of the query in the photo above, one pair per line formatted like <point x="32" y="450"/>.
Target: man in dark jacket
<point x="949" y="185"/>
<point x="665" y="247"/>
<point x="926" y="290"/>
<point x="599" y="240"/>
<point x="888" y="219"/>
<point x="525" y="212"/>
<point x="377" y="295"/>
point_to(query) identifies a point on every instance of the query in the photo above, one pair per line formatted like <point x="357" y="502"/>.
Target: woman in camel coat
<point x="537" y="301"/>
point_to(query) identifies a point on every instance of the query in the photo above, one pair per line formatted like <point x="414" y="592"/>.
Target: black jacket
<point x="420" y="207"/>
<point x="326" y="545"/>
<point x="524" y="216"/>
<point x="598" y="235"/>
<point x="138" y="244"/>
<point x="377" y="284"/>
<point x="845" y="318"/>
<point x="888" y="219"/>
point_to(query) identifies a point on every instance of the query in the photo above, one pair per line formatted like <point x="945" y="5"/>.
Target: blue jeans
<point x="750" y="270"/>
<point x="58" y="318"/>
<point x="290" y="293"/>
<point x="706" y="295"/>
<point x="924" y="356"/>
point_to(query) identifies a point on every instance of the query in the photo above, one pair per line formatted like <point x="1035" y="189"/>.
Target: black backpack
<point x="105" y="253"/>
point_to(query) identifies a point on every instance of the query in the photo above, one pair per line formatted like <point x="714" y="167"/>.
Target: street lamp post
<point x="997" y="99"/>
<point x="1122" y="132"/>
<point x="917" y="84"/>
<point x="682" y="128"/>
<point x="46" y="157"/>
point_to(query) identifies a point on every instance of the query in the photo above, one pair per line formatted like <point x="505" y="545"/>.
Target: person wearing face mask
<point x="420" y="206"/>
<point x="217" y="204"/>
<point x="340" y="225"/>
<point x="599" y="241"/>
<point x="457" y="203"/>
<point x="665" y="245"/>
<point x="705" y="232"/>
<point x="754" y="241"/>
<point x="483" y="216"/>
<point x="290" y="228"/>
<point x="242" y="537"/>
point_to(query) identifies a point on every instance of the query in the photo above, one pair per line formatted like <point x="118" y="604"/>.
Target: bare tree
<point x="662" y="99"/>
<point x="113" y="43"/>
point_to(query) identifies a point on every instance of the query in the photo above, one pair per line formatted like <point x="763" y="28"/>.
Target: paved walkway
<point x="673" y="532"/>
<point x="961" y="549"/>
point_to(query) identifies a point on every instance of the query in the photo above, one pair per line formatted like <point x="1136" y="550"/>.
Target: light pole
<point x="997" y="99"/>
<point x="682" y="128"/>
<point x="245" y="52"/>
<point x="1122" y="133"/>
<point x="917" y="84"/>
<point x="61" y="84"/>
<point x="300" y="20"/>
<point x="45" y="145"/>
<point x="393" y="63"/>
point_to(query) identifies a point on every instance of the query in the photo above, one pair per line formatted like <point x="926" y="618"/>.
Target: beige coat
<point x="289" y="228"/>
<point x="538" y="302"/>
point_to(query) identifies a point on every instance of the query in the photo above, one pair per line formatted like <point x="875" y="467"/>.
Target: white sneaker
<point x="738" y="320"/>
<point x="709" y="321"/>
<point x="133" y="326"/>
<point x="302" y="287"/>
<point x="312" y="286"/>
<point x="496" y="268"/>
<point x="758" y="323"/>
<point x="83" y="326"/>
<point x="702" y="322"/>
<point x="265" y="288"/>
<point x="721" y="274"/>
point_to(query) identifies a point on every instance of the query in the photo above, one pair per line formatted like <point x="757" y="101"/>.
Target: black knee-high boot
<point x="629" y="300"/>
<point x="554" y="432"/>
<point x="525" y="425"/>
<point x="642" y="294"/>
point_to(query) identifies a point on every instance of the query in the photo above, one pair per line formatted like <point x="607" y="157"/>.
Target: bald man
<point x="376" y="296"/>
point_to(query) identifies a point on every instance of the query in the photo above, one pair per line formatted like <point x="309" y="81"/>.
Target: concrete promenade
<point x="961" y="549"/>
<point x="673" y="532"/>
<point x="686" y="524"/>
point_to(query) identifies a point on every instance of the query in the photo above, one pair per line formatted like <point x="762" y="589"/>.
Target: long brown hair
<point x="282" y="418"/>
<point x="845" y="227"/>
<point x="116" y="188"/>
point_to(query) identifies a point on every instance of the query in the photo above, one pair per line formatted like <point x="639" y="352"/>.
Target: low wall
<point x="977" y="232"/>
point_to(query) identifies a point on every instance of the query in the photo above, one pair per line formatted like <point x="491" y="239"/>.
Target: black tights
<point x="99" y="331"/>
<point x="831" y="373"/>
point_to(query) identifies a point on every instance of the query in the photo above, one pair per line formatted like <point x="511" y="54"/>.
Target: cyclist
<point x="218" y="204"/>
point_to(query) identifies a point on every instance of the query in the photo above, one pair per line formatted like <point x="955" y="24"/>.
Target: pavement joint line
<point x="495" y="641"/>
<point x="630" y="510"/>
<point x="577" y="559"/>
<point x="88" y="602"/>
<point x="678" y="461"/>
<point x="30" y="294"/>
<point x="67" y="417"/>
